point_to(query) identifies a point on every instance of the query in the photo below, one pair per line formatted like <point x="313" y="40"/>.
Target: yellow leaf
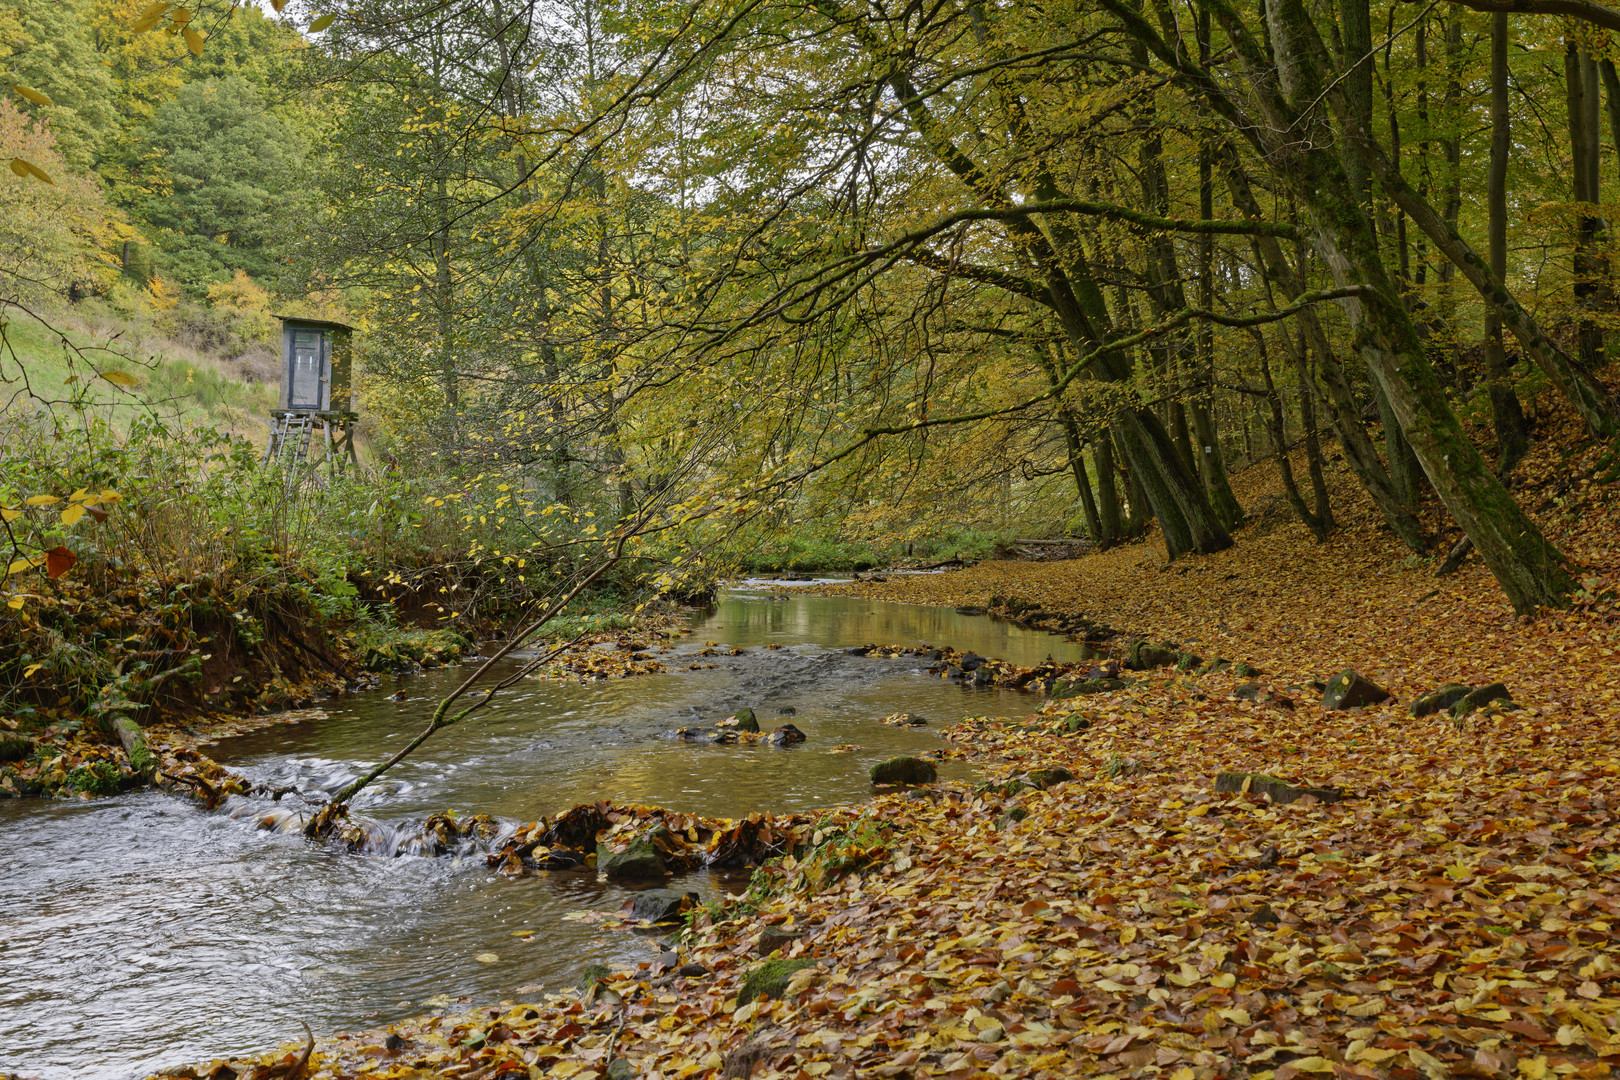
<point x="1313" y="1064"/>
<point x="9" y="513"/>
<point x="278" y="5"/>
<point x="120" y="378"/>
<point x="181" y="16"/>
<point x="80" y="495"/>
<point x="28" y="168"/>
<point x="72" y="514"/>
<point x="486" y="958"/>
<point x="31" y="94"/>
<point x="1225" y="980"/>
<point x="152" y="11"/>
<point x="1535" y="1068"/>
<point x="41" y="500"/>
<point x="31" y="668"/>
<point x="1367" y="1008"/>
<point x="323" y="22"/>
<point x="16" y="603"/>
<point x="194" y="40"/>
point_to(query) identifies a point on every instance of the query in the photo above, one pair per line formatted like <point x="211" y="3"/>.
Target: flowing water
<point x="141" y="931"/>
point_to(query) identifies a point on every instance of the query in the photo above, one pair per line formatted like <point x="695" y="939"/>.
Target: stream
<point x="140" y="932"/>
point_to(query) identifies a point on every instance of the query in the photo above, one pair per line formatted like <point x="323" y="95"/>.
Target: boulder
<point x="1245" y="671"/>
<point x="770" y="979"/>
<point x="1443" y="698"/>
<point x="1249" y="691"/>
<point x="1279" y="791"/>
<point x="1186" y="661"/>
<point x="786" y="735"/>
<point x="746" y="721"/>
<point x="662" y="905"/>
<point x="1071" y="724"/>
<point x="1219" y="663"/>
<point x="787" y="710"/>
<point x="983" y="676"/>
<point x="1348" y="690"/>
<point x="639" y="861"/>
<point x="1481" y="697"/>
<point x="904" y="770"/>
<point x="970" y="662"/>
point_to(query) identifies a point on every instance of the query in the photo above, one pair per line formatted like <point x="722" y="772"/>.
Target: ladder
<point x="289" y="437"/>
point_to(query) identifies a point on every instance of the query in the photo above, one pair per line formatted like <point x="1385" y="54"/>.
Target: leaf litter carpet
<point x="1457" y="914"/>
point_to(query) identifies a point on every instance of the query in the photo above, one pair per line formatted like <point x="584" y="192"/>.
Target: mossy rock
<point x="1245" y="671"/>
<point x="770" y="979"/>
<point x="1069" y="725"/>
<point x="1046" y="778"/>
<point x="1219" y="663"/>
<point x="746" y="720"/>
<point x="1443" y="698"/>
<point x="15" y="748"/>
<point x="639" y="861"/>
<point x="1279" y="791"/>
<point x="1143" y="655"/>
<point x="1070" y="688"/>
<point x="1006" y="789"/>
<point x="904" y="770"/>
<point x="1011" y="817"/>
<point x="1188" y="661"/>
<point x="1491" y="694"/>
<point x="1349" y="690"/>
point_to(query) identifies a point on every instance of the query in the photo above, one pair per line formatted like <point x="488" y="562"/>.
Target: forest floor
<point x="1455" y="913"/>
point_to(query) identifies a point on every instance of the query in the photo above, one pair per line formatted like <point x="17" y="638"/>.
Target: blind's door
<point x="305" y="387"/>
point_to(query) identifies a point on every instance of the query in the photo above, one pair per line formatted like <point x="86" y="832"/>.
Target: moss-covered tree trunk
<point x="1529" y="569"/>
<point x="1512" y="437"/>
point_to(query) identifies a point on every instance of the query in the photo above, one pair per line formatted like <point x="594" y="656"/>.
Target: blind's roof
<point x="299" y="320"/>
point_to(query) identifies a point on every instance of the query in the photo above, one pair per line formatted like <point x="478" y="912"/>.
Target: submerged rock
<point x="904" y="770"/>
<point x="662" y="905"/>
<point x="786" y="735"/>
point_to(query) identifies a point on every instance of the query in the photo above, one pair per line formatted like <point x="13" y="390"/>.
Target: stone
<point x="662" y="905"/>
<point x="621" y="1069"/>
<point x="787" y="710"/>
<point x="639" y="861"/>
<point x="970" y="662"/>
<point x="1071" y="724"/>
<point x="1046" y="778"/>
<point x="1348" y="690"/>
<point x="691" y="971"/>
<point x="1186" y="661"/>
<point x="772" y="938"/>
<point x="1069" y="688"/>
<point x="15" y="748"/>
<point x="983" y="676"/>
<point x="1249" y="691"/>
<point x="786" y="735"/>
<point x="1443" y="698"/>
<point x="904" y="770"/>
<point x="1143" y="655"/>
<point x="746" y="721"/>
<point x="1245" y="671"/>
<point x="953" y="672"/>
<point x="1478" y="699"/>
<point x="1217" y="664"/>
<point x="769" y="979"/>
<point x="909" y="720"/>
<point x="1279" y="791"/>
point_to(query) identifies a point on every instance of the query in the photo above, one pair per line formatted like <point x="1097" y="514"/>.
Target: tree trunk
<point x="1344" y="415"/>
<point x="1102" y="452"/>
<point x="1530" y="570"/>
<point x="1279" y="443"/>
<point x="1512" y="439"/>
<point x="1581" y="100"/>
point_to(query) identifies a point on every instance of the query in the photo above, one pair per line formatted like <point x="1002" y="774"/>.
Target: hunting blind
<point x="316" y="361"/>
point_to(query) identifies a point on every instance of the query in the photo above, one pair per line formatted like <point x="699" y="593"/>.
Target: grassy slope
<point x="176" y="381"/>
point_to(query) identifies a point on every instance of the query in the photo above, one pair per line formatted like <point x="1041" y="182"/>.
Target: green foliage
<point x="49" y="46"/>
<point x="95" y="778"/>
<point x="227" y="172"/>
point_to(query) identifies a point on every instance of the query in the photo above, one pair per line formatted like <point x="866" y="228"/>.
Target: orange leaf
<point x="59" y="560"/>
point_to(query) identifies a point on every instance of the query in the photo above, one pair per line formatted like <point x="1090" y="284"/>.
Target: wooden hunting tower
<point x="316" y="362"/>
